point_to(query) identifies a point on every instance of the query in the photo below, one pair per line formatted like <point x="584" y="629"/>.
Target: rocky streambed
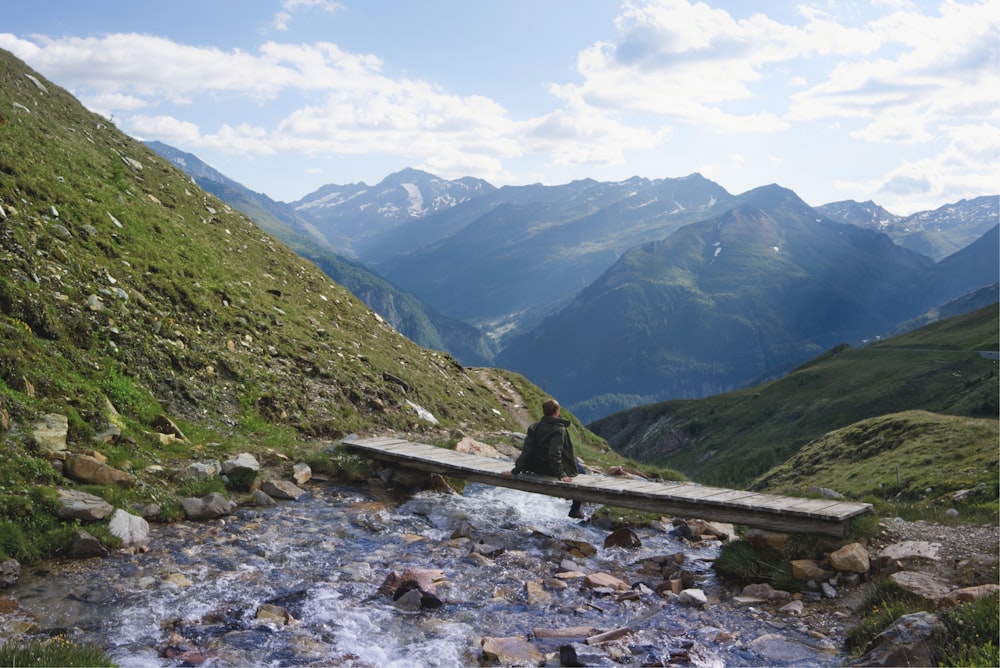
<point x="337" y="577"/>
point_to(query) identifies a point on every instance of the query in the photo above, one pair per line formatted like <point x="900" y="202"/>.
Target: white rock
<point x="692" y="597"/>
<point x="130" y="528"/>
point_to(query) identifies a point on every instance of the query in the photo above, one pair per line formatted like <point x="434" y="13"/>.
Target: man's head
<point x="550" y="407"/>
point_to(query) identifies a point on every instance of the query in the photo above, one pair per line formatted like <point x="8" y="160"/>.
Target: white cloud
<point x="678" y="79"/>
<point x="946" y="67"/>
<point x="165" y="128"/>
<point x="690" y="62"/>
<point x="283" y="18"/>
<point x="360" y="111"/>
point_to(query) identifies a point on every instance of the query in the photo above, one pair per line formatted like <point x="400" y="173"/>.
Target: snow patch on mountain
<point x="416" y="208"/>
<point x="332" y="199"/>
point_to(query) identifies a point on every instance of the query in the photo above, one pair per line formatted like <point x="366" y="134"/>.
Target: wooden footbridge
<point x="764" y="511"/>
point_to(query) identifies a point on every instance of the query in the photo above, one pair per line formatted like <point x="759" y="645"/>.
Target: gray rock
<point x="147" y="510"/>
<point x="765" y="592"/>
<point x="108" y="435"/>
<point x="912" y="641"/>
<point x="77" y="505"/>
<point x="282" y="489"/>
<point x="922" y="584"/>
<point x="49" y="433"/>
<point x="260" y="498"/>
<point x="410" y="601"/>
<point x="10" y="571"/>
<point x="244" y="460"/>
<point x="794" y="608"/>
<point x="207" y="507"/>
<point x="203" y="470"/>
<point x="912" y="549"/>
<point x="60" y="231"/>
<point x="85" y="546"/>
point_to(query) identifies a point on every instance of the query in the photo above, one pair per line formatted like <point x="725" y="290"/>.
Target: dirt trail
<point x="508" y="395"/>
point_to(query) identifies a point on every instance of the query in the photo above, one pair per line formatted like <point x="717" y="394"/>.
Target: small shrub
<point x="351" y="467"/>
<point x="973" y="633"/>
<point x="14" y="544"/>
<point x="126" y="397"/>
<point x="56" y="651"/>
<point x="200" y="488"/>
<point x="321" y="462"/>
<point x="742" y="561"/>
<point x="864" y="526"/>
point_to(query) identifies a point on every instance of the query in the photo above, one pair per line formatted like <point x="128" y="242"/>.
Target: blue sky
<point x="888" y="100"/>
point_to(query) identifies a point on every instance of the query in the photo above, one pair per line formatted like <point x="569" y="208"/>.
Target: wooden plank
<point x="732" y="495"/>
<point x="779" y="513"/>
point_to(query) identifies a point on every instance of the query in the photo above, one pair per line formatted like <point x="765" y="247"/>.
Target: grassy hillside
<point x="902" y="457"/>
<point x="119" y="269"/>
<point x="127" y="293"/>
<point x="732" y="438"/>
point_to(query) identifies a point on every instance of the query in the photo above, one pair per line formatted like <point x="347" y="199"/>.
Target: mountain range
<point x="936" y="234"/>
<point x="611" y="295"/>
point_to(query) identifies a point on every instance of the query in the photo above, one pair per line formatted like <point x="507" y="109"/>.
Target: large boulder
<point x="132" y="530"/>
<point x="207" y="507"/>
<point x="241" y="472"/>
<point x="92" y="471"/>
<point x="851" y="558"/>
<point x="77" y="505"/>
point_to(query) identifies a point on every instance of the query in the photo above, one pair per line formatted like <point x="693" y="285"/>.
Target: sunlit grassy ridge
<point x="902" y="457"/>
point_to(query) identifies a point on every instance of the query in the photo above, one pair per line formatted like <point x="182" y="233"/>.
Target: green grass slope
<point x="116" y="266"/>
<point x="902" y="457"/>
<point x="128" y="293"/>
<point x="731" y="439"/>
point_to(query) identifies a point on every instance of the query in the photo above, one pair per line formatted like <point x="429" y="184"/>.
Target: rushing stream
<point x="194" y="596"/>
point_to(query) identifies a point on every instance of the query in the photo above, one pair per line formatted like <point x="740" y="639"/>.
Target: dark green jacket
<point x="547" y="449"/>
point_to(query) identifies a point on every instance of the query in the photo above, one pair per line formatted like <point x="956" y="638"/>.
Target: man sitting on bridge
<point x="548" y="450"/>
